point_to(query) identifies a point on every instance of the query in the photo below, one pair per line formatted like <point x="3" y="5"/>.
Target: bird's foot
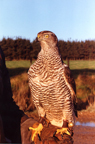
<point x="65" y="130"/>
<point x="36" y="129"/>
<point x="62" y="131"/>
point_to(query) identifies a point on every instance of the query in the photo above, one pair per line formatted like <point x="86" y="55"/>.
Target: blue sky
<point x="68" y="19"/>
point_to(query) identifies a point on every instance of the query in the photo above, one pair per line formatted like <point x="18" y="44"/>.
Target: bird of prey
<point x="52" y="86"/>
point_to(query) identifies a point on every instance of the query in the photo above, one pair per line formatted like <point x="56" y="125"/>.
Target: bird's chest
<point x="47" y="81"/>
<point x="45" y="76"/>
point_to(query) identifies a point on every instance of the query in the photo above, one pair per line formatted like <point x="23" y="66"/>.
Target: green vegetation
<point x="24" y="49"/>
<point x="73" y="64"/>
<point x="18" y="64"/>
<point x="18" y="67"/>
<point x="81" y="64"/>
<point x="77" y="67"/>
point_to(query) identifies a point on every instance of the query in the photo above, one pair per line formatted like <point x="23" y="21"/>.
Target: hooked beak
<point x="36" y="40"/>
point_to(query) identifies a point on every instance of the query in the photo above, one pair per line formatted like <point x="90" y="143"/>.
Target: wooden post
<point x="68" y="61"/>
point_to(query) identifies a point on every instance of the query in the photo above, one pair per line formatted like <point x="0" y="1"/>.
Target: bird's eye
<point x="46" y="36"/>
<point x="38" y="36"/>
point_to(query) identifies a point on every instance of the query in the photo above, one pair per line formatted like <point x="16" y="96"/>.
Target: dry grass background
<point x="85" y="85"/>
<point x="21" y="92"/>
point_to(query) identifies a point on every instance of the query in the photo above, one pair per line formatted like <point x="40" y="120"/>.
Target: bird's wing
<point x="71" y="84"/>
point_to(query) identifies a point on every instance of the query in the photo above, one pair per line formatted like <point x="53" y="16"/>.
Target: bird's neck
<point x="50" y="56"/>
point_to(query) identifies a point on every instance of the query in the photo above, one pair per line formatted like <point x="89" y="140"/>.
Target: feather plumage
<point x="52" y="87"/>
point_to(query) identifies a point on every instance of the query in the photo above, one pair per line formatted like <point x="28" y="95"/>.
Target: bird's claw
<point x="62" y="131"/>
<point x="39" y="137"/>
<point x="36" y="130"/>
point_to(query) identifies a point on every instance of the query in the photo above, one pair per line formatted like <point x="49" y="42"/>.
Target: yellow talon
<point x="63" y="130"/>
<point x="36" y="130"/>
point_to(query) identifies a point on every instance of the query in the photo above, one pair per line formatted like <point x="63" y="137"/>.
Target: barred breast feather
<point x="52" y="94"/>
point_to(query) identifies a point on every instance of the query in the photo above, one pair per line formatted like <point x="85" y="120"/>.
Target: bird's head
<point x="47" y="39"/>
